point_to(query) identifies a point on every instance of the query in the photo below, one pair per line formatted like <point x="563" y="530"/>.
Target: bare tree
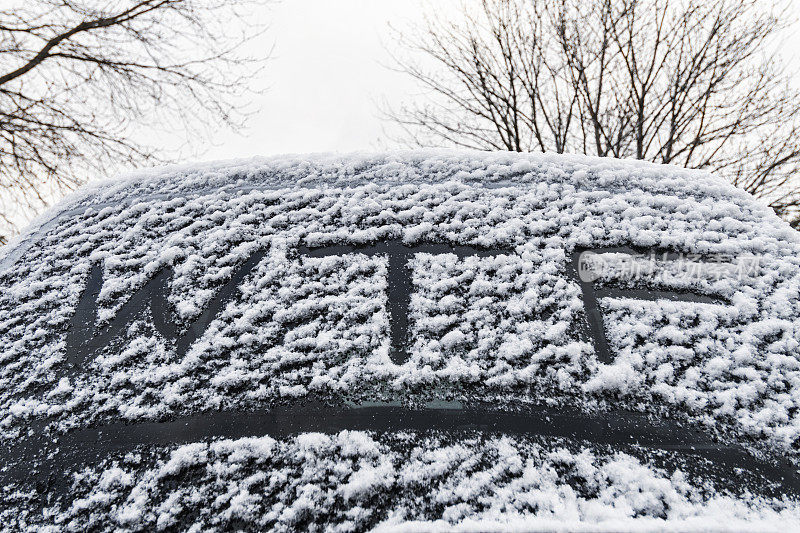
<point x="685" y="82"/>
<point x="86" y="85"/>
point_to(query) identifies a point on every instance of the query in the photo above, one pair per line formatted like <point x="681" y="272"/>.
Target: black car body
<point x="409" y="341"/>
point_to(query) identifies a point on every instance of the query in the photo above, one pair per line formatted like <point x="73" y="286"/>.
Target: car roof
<point x="342" y="292"/>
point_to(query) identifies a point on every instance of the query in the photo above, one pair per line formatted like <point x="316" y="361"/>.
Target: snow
<point x="352" y="481"/>
<point x="481" y="327"/>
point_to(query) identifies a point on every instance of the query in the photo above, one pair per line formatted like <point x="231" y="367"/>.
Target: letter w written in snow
<point x="84" y="339"/>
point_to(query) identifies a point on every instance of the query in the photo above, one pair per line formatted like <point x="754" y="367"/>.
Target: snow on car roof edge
<point x="423" y="165"/>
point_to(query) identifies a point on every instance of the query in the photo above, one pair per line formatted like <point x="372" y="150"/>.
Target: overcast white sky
<point x="328" y="75"/>
<point x="326" y="78"/>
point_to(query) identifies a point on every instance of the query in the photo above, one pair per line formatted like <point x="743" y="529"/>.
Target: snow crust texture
<point x="508" y="326"/>
<point x="354" y="481"/>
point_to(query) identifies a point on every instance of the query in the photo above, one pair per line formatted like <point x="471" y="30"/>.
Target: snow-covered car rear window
<point x="298" y="342"/>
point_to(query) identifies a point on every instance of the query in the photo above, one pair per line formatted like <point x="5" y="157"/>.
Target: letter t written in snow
<point x="399" y="278"/>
